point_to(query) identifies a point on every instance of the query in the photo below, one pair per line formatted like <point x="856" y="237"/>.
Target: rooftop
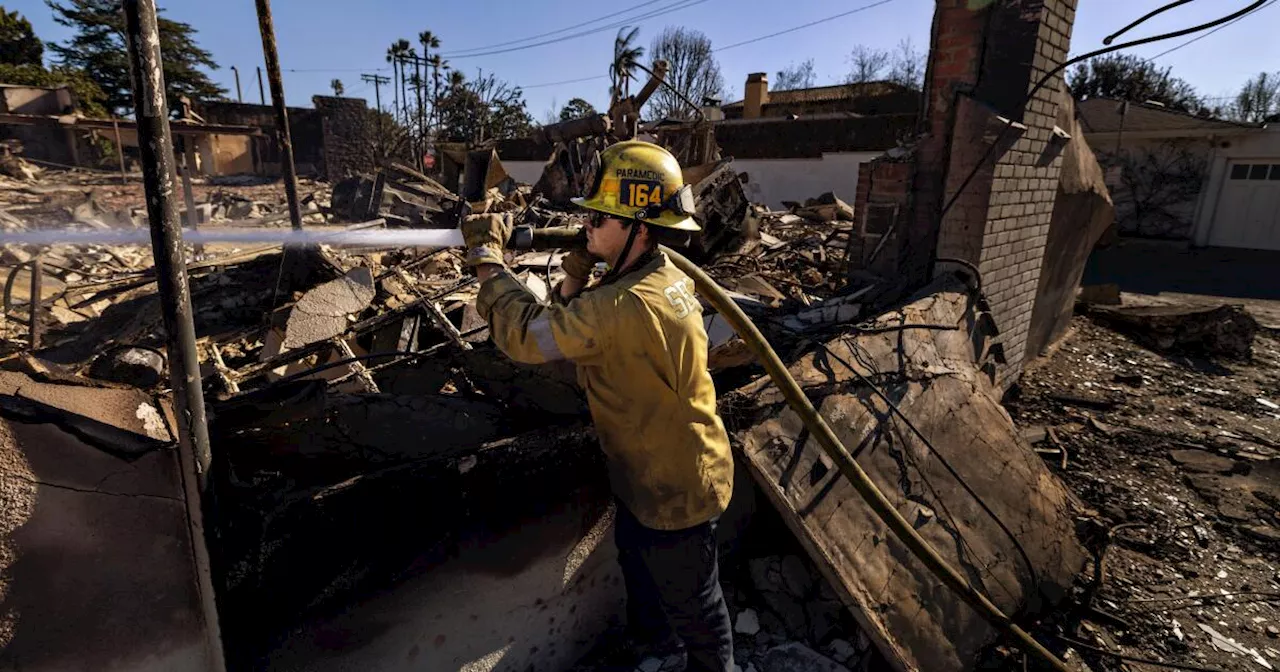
<point x="1103" y="115"/>
<point x="822" y="94"/>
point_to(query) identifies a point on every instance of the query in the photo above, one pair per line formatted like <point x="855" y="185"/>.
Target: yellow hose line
<point x="852" y="470"/>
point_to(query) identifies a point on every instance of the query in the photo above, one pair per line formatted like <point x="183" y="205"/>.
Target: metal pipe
<point x="239" y="96"/>
<point x="37" y="279"/>
<point x="656" y="79"/>
<point x="124" y="175"/>
<point x="267" y="27"/>
<point x="189" y="198"/>
<point x="155" y="145"/>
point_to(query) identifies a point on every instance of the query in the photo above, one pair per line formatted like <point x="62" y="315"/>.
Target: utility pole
<point x="267" y="27"/>
<point x="262" y="95"/>
<point x="155" y="145"/>
<point x="239" y="97"/>
<point x="376" y="80"/>
<point x="422" y="131"/>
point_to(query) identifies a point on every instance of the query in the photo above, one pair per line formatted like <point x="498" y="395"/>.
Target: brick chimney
<point x="756" y="95"/>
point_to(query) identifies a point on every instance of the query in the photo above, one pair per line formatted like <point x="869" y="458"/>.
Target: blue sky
<point x="324" y="39"/>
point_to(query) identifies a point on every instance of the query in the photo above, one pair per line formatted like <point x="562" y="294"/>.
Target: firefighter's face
<point x="606" y="237"/>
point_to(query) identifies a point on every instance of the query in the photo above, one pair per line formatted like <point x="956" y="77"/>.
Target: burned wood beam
<point x="357" y="368"/>
<point x="437" y="316"/>
<point x="291" y="356"/>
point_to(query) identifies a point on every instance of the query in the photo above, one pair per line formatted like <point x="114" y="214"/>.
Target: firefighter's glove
<point x="578" y="264"/>
<point x="485" y="236"/>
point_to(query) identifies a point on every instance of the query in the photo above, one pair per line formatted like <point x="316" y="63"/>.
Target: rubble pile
<point x="1174" y="451"/>
<point x="794" y="259"/>
<point x="354" y="398"/>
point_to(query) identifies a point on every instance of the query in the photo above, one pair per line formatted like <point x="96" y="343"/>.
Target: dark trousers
<point x="673" y="587"/>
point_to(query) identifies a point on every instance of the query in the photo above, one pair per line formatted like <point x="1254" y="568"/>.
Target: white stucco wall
<point x="524" y="172"/>
<point x="771" y="181"/>
<point x="1263" y="144"/>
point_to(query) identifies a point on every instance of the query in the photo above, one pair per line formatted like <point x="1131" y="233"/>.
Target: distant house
<point x="1175" y="175"/>
<point x="864" y="99"/>
<point x="792" y="145"/>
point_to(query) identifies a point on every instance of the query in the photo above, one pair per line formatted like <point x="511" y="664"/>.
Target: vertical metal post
<point x="124" y="175"/>
<point x="267" y="27"/>
<point x="189" y="197"/>
<point x="37" y="295"/>
<point x="239" y="96"/>
<point x="421" y="145"/>
<point x="155" y="145"/>
<point x="262" y="96"/>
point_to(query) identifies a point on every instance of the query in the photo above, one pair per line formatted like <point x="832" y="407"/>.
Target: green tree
<point x="1128" y="77"/>
<point x="484" y="109"/>
<point x="98" y="48"/>
<point x="576" y="109"/>
<point x="18" y="42"/>
<point x="89" y="97"/>
<point x="626" y="53"/>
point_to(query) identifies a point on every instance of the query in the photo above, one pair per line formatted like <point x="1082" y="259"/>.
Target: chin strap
<point x="622" y="258"/>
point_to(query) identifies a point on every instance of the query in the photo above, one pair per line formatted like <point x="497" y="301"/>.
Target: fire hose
<point x="852" y="471"/>
<point x="527" y="238"/>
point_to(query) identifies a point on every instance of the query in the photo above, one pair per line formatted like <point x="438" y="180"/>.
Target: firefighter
<point x="638" y="340"/>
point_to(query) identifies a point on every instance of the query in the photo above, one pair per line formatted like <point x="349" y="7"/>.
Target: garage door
<point x="1249" y="207"/>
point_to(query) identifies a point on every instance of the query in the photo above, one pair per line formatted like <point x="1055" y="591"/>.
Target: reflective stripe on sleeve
<point x="540" y="328"/>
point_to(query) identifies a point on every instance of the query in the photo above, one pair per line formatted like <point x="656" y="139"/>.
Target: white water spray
<point x="428" y="238"/>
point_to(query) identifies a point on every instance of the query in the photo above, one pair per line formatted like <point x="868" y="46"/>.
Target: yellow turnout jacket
<point x="641" y="352"/>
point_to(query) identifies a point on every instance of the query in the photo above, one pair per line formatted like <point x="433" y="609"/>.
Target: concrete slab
<point x="1024" y="557"/>
<point x="96" y="568"/>
<point x="124" y="420"/>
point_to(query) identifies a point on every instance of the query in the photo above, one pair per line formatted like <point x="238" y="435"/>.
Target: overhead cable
<point x="541" y="35"/>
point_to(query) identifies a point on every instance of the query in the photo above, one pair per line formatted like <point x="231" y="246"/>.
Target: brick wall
<point x="348" y="135"/>
<point x="984" y="59"/>
<point x="1024" y="191"/>
<point x="881" y="205"/>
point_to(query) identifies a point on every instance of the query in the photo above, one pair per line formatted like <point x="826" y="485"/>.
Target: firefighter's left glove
<point x="485" y="236"/>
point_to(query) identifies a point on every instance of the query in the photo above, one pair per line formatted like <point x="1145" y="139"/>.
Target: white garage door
<point x="1249" y="207"/>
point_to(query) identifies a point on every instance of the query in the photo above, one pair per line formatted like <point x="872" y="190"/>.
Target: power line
<point x="1201" y="37"/>
<point x="811" y="23"/>
<point x="674" y="7"/>
<point x="736" y="44"/>
<point x="567" y="28"/>
<point x="336" y="69"/>
<point x="567" y="81"/>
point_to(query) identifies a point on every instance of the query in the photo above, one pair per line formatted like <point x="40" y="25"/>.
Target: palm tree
<point x="338" y="88"/>
<point x="397" y="51"/>
<point x="625" y="55"/>
<point x="437" y="64"/>
<point x="429" y="41"/>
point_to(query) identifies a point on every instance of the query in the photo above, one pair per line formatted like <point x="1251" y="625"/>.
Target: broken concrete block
<point x="841" y="651"/>
<point x="826" y="208"/>
<point x="935" y="378"/>
<point x="132" y="366"/>
<point x="796" y="657"/>
<point x="1203" y="462"/>
<point x="1222" y="330"/>
<point x="756" y="286"/>
<point x="1103" y="295"/>
<point x="322" y="312"/>
<point x="748" y="623"/>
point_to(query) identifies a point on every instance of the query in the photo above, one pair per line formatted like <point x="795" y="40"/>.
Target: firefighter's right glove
<point x="485" y="236"/>
<point x="578" y="264"/>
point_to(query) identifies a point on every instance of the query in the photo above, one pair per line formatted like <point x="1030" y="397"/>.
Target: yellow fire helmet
<point x="642" y="181"/>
